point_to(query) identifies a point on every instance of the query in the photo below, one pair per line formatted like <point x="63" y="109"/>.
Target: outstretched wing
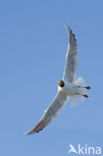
<point x="52" y="112"/>
<point x="71" y="58"/>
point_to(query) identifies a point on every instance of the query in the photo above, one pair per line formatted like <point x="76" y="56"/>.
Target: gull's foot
<point x="86" y="96"/>
<point x="87" y="87"/>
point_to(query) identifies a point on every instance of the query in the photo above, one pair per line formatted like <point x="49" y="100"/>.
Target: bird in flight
<point x="68" y="87"/>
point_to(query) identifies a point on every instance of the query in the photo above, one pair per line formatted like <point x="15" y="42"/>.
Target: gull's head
<point x="61" y="83"/>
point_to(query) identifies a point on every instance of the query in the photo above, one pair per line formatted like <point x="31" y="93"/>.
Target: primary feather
<point x="52" y="112"/>
<point x="71" y="58"/>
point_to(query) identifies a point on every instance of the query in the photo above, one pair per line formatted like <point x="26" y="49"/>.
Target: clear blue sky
<point x="33" y="44"/>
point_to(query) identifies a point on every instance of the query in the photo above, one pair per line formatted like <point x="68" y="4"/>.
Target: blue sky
<point x="33" y="44"/>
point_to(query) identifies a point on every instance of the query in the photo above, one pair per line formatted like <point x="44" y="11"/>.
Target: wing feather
<point x="71" y="58"/>
<point x="52" y="111"/>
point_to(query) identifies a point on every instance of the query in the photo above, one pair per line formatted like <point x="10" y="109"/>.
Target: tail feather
<point x="76" y="100"/>
<point x="82" y="92"/>
<point x="80" y="81"/>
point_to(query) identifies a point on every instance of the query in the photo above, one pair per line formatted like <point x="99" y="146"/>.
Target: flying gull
<point x="68" y="87"/>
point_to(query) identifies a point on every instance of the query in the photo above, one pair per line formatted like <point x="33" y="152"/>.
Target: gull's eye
<point x="61" y="83"/>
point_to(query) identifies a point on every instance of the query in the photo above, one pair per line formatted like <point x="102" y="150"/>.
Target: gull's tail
<point x="82" y="92"/>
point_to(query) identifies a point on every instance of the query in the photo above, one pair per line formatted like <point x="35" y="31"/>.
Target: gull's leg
<point x="83" y="92"/>
<point x="84" y="95"/>
<point x="87" y="87"/>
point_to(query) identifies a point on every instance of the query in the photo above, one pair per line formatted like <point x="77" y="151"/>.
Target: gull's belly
<point x="69" y="89"/>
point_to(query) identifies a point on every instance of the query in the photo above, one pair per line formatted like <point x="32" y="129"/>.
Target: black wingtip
<point x="68" y="28"/>
<point x="39" y="127"/>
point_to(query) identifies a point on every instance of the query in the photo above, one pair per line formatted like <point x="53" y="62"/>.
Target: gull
<point x="68" y="87"/>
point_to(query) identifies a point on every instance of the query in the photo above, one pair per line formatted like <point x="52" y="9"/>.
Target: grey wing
<point x="53" y="110"/>
<point x="71" y="58"/>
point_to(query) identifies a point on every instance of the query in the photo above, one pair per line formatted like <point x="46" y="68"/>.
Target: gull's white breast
<point x="69" y="88"/>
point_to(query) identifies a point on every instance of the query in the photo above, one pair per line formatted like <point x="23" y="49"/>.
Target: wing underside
<point x="71" y="58"/>
<point x="52" y="112"/>
<point x="61" y="99"/>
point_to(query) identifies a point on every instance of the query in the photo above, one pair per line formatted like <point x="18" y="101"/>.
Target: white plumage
<point x="67" y="87"/>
